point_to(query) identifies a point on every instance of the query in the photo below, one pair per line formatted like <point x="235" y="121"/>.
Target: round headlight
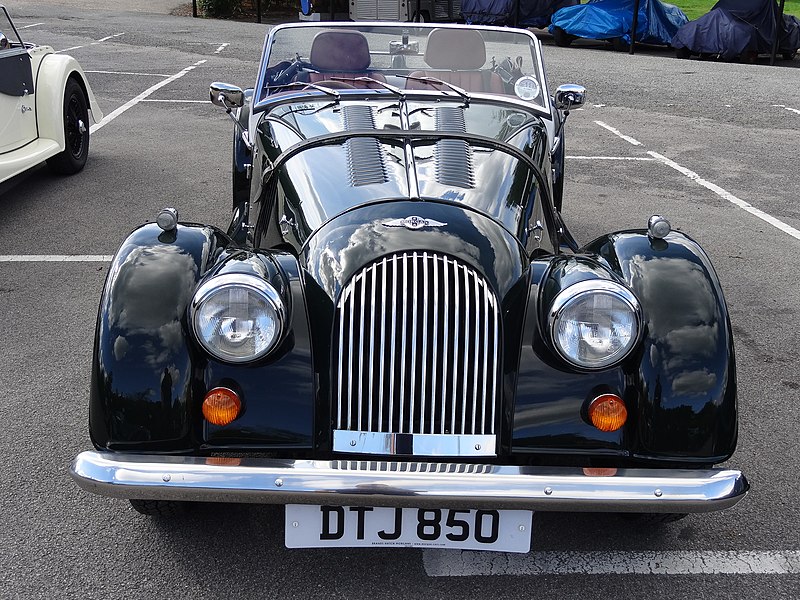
<point x="595" y="324"/>
<point x="237" y="318"/>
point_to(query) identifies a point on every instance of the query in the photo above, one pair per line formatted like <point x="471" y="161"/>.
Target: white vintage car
<point x="45" y="102"/>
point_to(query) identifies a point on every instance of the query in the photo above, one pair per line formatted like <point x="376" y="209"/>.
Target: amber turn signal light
<point x="221" y="406"/>
<point x="607" y="412"/>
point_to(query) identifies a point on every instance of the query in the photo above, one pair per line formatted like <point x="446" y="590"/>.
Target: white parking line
<point x="131" y="103"/>
<point x="221" y="48"/>
<point x="55" y="257"/>
<point x="616" y="132"/>
<point x="31" y="25"/>
<point x="129" y="73"/>
<point x="722" y="193"/>
<point x="633" y="158"/>
<point x="783" y="106"/>
<point x="449" y="563"/>
<point x="108" y="37"/>
<point x="180" y="101"/>
<point x="788" y="229"/>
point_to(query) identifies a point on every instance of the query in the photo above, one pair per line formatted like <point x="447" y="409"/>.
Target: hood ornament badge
<point x="413" y="223"/>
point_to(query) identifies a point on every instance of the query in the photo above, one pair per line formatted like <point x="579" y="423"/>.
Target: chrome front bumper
<point x="412" y="484"/>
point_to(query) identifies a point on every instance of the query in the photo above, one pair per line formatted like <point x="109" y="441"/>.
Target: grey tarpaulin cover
<point x="738" y="27"/>
<point x="534" y="13"/>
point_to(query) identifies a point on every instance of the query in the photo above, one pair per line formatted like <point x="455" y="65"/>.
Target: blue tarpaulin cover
<point x="734" y="28"/>
<point x="607" y="19"/>
<point x="533" y="13"/>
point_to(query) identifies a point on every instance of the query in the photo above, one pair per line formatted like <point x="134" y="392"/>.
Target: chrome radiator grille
<point x="417" y="349"/>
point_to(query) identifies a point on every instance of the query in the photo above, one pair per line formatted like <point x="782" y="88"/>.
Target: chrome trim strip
<point x="371" y="391"/>
<point x="415" y="294"/>
<point x="394" y="347"/>
<point x="466" y="351"/>
<point x="381" y="483"/>
<point x="383" y="346"/>
<point x="340" y="415"/>
<point x="363" y="279"/>
<point x="413" y="444"/>
<point x="456" y="370"/>
<point x="423" y="418"/>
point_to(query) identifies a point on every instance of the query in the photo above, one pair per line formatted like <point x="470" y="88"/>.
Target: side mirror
<point x="226" y="95"/>
<point x="570" y="96"/>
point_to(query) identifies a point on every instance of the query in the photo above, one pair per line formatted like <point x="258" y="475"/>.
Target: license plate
<point x="310" y="526"/>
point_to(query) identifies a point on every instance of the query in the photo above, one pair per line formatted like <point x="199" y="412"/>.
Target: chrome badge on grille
<point x="413" y="223"/>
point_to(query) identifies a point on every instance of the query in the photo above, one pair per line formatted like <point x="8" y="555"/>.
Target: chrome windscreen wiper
<point x="306" y="84"/>
<point x="434" y="81"/>
<point x="369" y="80"/>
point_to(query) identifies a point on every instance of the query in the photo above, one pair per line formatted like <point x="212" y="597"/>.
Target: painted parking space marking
<point x="721" y="192"/>
<point x="28" y="258"/>
<point x="619" y="134"/>
<point x="133" y="102"/>
<point x="221" y="48"/>
<point x="631" y="158"/>
<point x="777" y="223"/>
<point x="449" y="563"/>
<point x="178" y="101"/>
<point x="31" y="25"/>
<point x="100" y="41"/>
<point x="128" y="73"/>
<point x="108" y="37"/>
<point x="783" y="106"/>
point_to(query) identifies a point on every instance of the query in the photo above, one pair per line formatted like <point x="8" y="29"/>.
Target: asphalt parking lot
<point x="714" y="147"/>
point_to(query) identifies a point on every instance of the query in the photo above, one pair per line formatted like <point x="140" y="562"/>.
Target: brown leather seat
<point x="341" y="53"/>
<point x="457" y="57"/>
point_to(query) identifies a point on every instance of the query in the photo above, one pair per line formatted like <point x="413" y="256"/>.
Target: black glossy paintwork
<point x="315" y="185"/>
<point x="149" y="375"/>
<point x="687" y="375"/>
<point x="679" y="385"/>
<point x="278" y="392"/>
<point x="142" y="376"/>
<point x="314" y="229"/>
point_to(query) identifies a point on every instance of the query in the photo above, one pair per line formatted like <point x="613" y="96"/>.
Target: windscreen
<point x="408" y="55"/>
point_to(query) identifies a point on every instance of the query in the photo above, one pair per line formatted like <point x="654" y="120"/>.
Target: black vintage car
<point x="396" y="336"/>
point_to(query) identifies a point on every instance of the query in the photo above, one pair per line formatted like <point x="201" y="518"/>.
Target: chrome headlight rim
<point x="253" y="283"/>
<point x="583" y="288"/>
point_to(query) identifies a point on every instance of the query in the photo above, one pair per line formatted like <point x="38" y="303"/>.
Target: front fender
<point x="51" y="80"/>
<point x="142" y="371"/>
<point x="687" y="372"/>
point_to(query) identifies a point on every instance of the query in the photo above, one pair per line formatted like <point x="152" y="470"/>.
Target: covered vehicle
<point x="738" y="29"/>
<point x="45" y="105"/>
<point x="612" y="20"/>
<point x="396" y="336"/>
<point x="533" y="13"/>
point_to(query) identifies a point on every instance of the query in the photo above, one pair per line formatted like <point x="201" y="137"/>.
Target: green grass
<point x="697" y="8"/>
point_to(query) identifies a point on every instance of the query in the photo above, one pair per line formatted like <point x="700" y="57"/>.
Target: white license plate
<point x="310" y="526"/>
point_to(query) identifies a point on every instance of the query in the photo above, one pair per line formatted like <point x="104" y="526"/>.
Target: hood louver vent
<point x="364" y="155"/>
<point x="453" y="157"/>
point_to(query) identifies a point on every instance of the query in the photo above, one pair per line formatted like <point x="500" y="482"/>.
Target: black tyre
<point x="653" y="519"/>
<point x="158" y="508"/>
<point x="76" y="131"/>
<point x="789" y="55"/>
<point x="562" y="38"/>
<point x="682" y="52"/>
